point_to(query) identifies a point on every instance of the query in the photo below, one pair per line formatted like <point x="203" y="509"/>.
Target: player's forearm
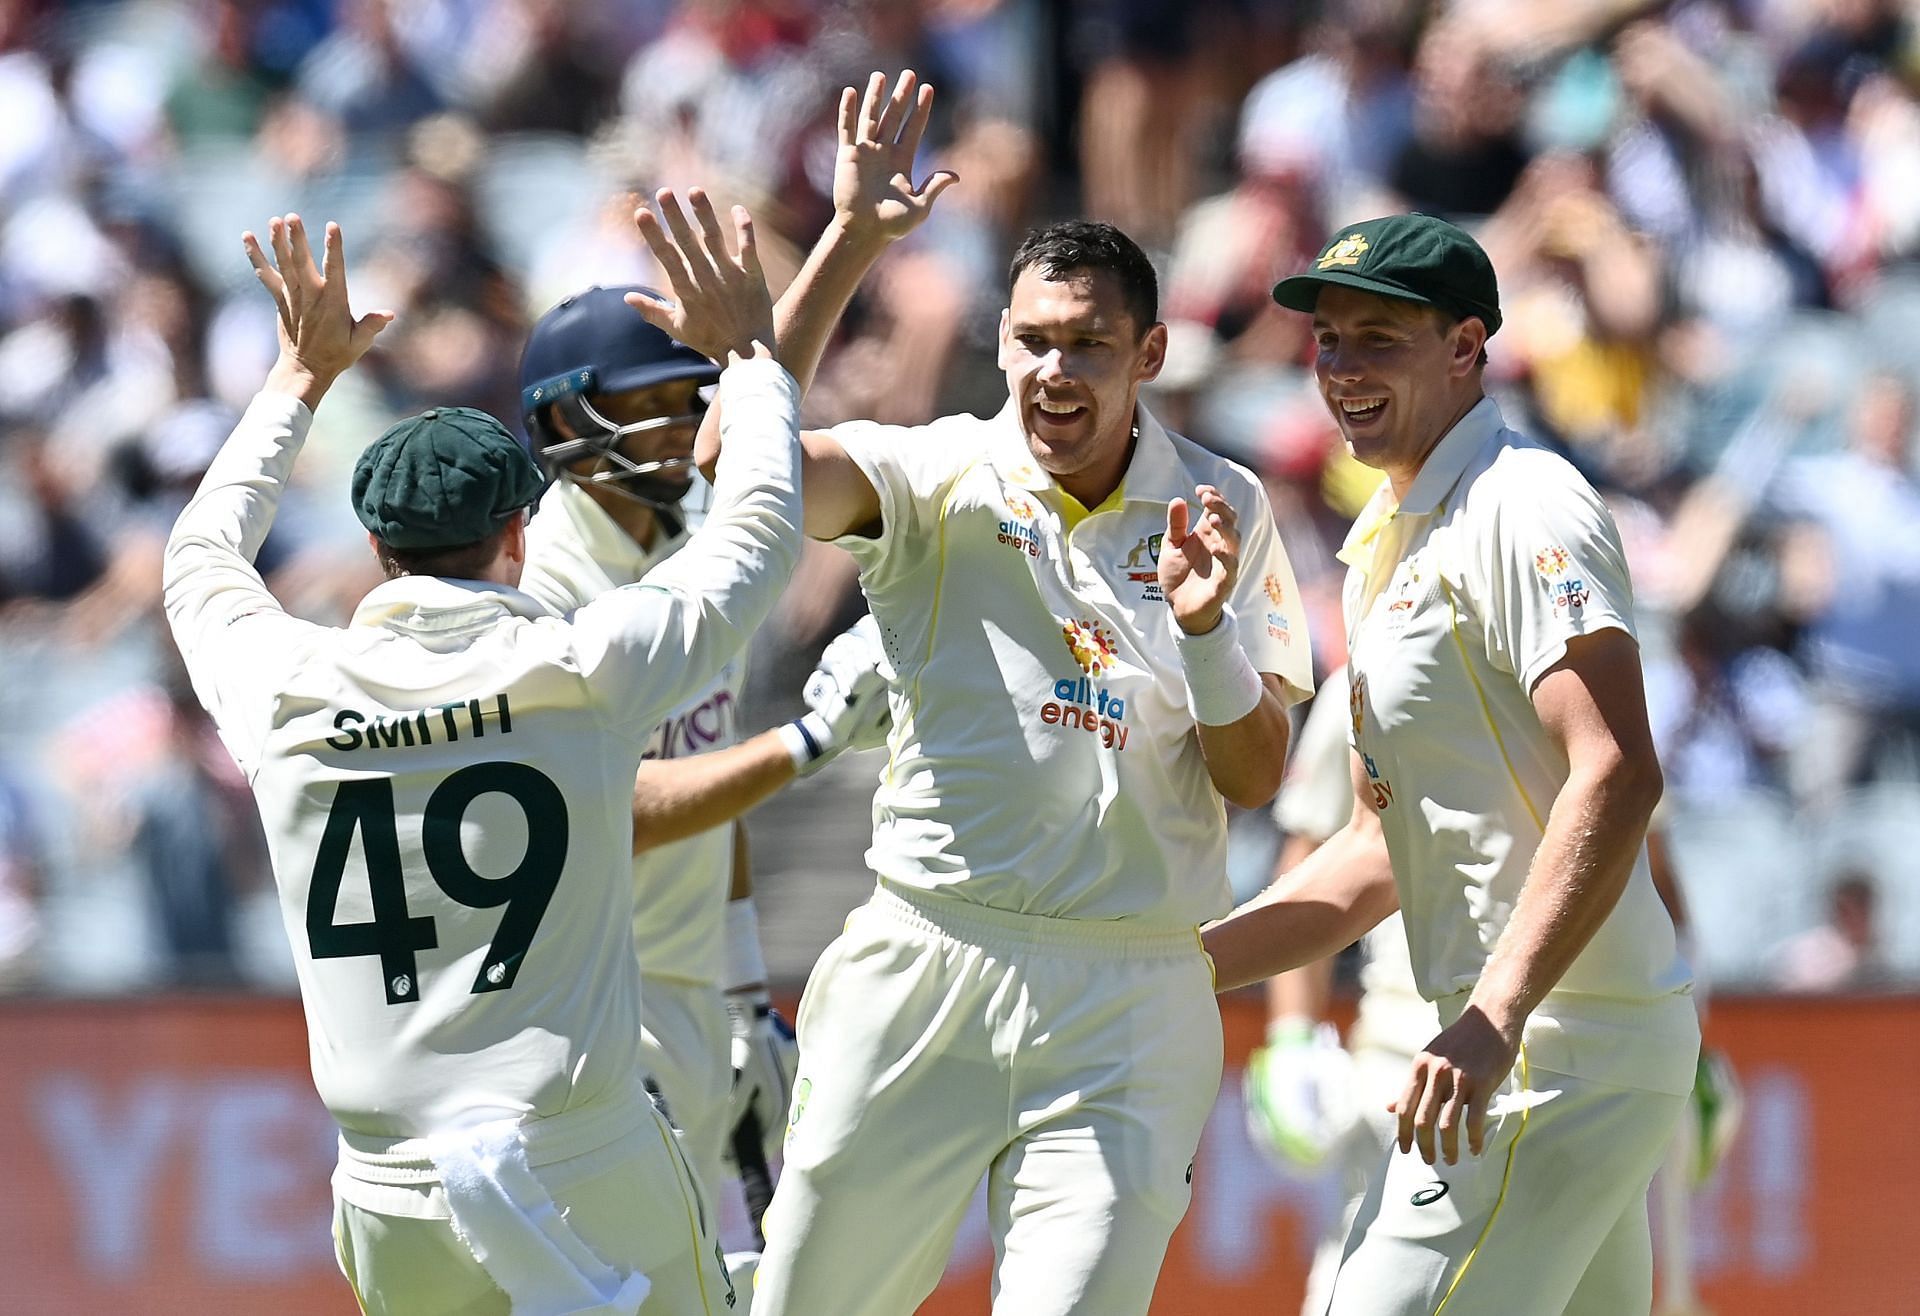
<point x="1329" y="902"/>
<point x="677" y="798"/>
<point x="209" y="554"/>
<point x="1593" y="836"/>
<point x="1245" y="759"/>
<point x="806" y="315"/>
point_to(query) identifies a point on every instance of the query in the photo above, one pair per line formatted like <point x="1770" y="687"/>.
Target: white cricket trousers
<point x="1072" y="1064"/>
<point x="629" y="1199"/>
<point x="1549" y="1220"/>
<point x="686" y="1047"/>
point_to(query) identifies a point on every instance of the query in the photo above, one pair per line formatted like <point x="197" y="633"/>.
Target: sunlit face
<point x="1075" y="361"/>
<point x="1395" y="374"/>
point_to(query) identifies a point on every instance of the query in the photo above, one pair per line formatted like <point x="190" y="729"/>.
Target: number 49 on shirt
<point x="396" y="935"/>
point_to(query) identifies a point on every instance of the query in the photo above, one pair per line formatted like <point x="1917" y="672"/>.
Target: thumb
<point x="656" y="311"/>
<point x="1178" y="515"/>
<point x="930" y="190"/>
<point x="368" y="327"/>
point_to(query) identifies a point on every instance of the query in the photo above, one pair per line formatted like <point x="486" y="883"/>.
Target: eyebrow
<point x="1371" y="322"/>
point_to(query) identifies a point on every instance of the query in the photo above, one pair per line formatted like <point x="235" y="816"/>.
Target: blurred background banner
<point x="168" y="1156"/>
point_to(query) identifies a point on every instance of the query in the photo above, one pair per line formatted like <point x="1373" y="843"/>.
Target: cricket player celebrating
<point x="612" y="405"/>
<point x="1085" y="665"/>
<point x="1504" y="775"/>
<point x="446" y="786"/>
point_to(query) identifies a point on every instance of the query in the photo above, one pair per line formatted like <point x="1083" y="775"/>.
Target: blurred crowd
<point x="1705" y="216"/>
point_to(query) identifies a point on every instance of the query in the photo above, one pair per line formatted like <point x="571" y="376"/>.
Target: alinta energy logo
<point x="1552" y="564"/>
<point x="1081" y="704"/>
<point x="1020" y="528"/>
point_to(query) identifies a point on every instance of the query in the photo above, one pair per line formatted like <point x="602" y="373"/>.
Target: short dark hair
<point x="460" y="562"/>
<point x="1083" y="244"/>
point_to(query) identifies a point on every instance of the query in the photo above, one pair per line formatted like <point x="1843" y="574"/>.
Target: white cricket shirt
<point x="1042" y="759"/>
<point x="1457" y="601"/>
<point x="575" y="553"/>
<point x="446" y="784"/>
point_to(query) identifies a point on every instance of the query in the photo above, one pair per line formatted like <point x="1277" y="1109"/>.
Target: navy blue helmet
<point x="590" y="345"/>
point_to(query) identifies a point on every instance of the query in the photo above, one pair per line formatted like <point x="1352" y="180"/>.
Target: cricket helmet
<point x="588" y="346"/>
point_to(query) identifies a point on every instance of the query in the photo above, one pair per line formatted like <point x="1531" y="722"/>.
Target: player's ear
<point x="1153" y="353"/>
<point x="1005" y="339"/>
<point x="1469" y="341"/>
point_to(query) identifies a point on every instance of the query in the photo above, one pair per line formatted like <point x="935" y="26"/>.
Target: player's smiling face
<point x="1075" y="361"/>
<point x="1395" y="374"/>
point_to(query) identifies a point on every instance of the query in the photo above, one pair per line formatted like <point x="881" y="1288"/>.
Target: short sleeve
<point x="910" y="468"/>
<point x="1266" y="601"/>
<point x="1555" y="569"/>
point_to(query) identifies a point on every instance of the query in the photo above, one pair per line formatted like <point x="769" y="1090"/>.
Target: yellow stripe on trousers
<point x="1506" y="1178"/>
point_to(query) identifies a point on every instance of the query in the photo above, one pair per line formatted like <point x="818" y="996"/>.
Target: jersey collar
<point x="1154" y="473"/>
<point x="1438" y="475"/>
<point x="428" y="606"/>
<point x="1448" y="461"/>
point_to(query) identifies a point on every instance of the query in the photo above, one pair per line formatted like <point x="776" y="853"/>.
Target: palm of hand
<point x="879" y="134"/>
<point x="871" y="187"/>
<point x="1190" y="576"/>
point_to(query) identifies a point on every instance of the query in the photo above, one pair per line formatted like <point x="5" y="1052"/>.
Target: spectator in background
<point x="1842" y="954"/>
<point x="543" y="71"/>
<point x="1850" y="570"/>
<point x="1465" y="155"/>
<point x="1583" y="289"/>
<point x="1725" y="714"/>
<point x="223" y="93"/>
<point x="19" y="891"/>
<point x="363" y="76"/>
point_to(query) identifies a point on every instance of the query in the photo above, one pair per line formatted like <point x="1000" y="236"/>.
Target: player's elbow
<point x="1252" y="785"/>
<point x="1632" y="780"/>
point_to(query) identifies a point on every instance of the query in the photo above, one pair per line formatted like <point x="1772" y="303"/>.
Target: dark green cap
<point x="441" y="479"/>
<point x="1416" y="258"/>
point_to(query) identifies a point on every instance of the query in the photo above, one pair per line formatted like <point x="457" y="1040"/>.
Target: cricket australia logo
<point x="1080" y="704"/>
<point x="1141" y="567"/>
<point x="1020" y="528"/>
<point x="1346" y="251"/>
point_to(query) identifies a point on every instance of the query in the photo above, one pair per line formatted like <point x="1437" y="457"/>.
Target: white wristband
<point x="746" y="966"/>
<point x="1222" y="686"/>
<point x="807" y="738"/>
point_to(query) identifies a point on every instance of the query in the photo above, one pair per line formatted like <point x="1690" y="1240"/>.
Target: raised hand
<point x="319" y="336"/>
<point x="720" y="302"/>
<point x="873" y="191"/>
<point x="1199" y="561"/>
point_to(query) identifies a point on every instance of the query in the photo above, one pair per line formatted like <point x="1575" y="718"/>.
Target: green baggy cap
<point x="444" y="478"/>
<point x="1416" y="258"/>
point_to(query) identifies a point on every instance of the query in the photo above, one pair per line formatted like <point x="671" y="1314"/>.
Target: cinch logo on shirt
<point x="1019" y="530"/>
<point x="701" y="727"/>
<point x="1079" y="703"/>
<point x="1141" y="568"/>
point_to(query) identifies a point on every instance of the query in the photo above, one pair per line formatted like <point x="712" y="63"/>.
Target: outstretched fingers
<point x="899" y="109"/>
<point x="269" y="277"/>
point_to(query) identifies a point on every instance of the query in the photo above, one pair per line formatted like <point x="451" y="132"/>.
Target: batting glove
<point x="1297" y="1090"/>
<point x="764" y="1059"/>
<point x="846" y="697"/>
<point x="1715" y="1109"/>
